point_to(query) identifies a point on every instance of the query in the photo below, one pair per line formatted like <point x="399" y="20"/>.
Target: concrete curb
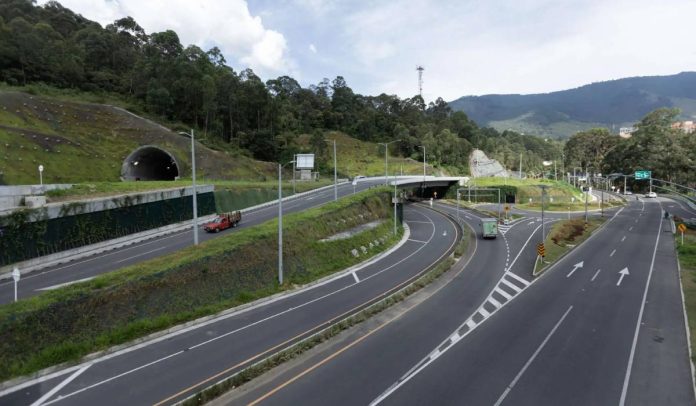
<point x="57" y="370"/>
<point x="686" y="322"/>
<point x="35" y="264"/>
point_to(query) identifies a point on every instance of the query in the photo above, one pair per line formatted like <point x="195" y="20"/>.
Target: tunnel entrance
<point x="150" y="163"/>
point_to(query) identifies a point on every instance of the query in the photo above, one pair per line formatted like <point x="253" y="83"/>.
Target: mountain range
<point x="611" y="104"/>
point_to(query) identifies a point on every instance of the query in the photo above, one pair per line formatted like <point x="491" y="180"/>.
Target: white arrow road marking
<point x="575" y="268"/>
<point x="623" y="273"/>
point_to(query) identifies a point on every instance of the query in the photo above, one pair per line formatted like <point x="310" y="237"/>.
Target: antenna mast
<point x="420" y="70"/>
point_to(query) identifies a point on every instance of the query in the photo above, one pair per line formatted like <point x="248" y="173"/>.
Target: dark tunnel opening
<point x="149" y="163"/>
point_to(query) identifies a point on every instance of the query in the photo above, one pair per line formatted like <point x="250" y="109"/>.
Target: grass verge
<point x="687" y="261"/>
<point x="67" y="323"/>
<point x="297" y="349"/>
<point x="564" y="236"/>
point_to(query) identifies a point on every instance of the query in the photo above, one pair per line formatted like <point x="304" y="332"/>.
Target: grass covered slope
<point x="78" y="142"/>
<point x="75" y="320"/>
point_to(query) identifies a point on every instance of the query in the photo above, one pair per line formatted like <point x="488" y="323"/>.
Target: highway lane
<point x="356" y="372"/>
<point x="569" y="339"/>
<point x="82" y="269"/>
<point x="173" y="367"/>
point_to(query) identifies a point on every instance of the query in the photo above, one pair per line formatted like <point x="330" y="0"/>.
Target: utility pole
<point x="335" y="173"/>
<point x="520" y="165"/>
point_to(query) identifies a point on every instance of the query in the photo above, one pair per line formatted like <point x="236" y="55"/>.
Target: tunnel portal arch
<point x="150" y="163"/>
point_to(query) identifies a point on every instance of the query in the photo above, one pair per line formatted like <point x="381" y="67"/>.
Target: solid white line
<point x="612" y="253"/>
<point x="623" y="238"/>
<point x="630" y="228"/>
<point x="503" y="293"/>
<point x="422" y="242"/>
<point x="627" y="378"/>
<point x="523" y="247"/>
<point x="511" y="286"/>
<point x="484" y="312"/>
<point x="60" y="285"/>
<point x="139" y="255"/>
<point x="60" y="386"/>
<point x="595" y="275"/>
<point x="355" y="277"/>
<point x="529" y="362"/>
<point x="522" y="281"/>
<point x="494" y="302"/>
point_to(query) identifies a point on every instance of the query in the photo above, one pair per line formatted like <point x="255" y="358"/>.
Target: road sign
<point x="16" y="274"/>
<point x="643" y="174"/>
<point x="681" y="227"/>
<point x="541" y="250"/>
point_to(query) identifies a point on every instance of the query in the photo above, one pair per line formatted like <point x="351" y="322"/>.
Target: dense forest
<point x="52" y="45"/>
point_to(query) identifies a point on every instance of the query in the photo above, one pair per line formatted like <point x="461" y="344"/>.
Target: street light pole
<point x="386" y="166"/>
<point x="193" y="178"/>
<point x="335" y="173"/>
<point x="280" y="221"/>
<point x="41" y="169"/>
<point x="543" y="227"/>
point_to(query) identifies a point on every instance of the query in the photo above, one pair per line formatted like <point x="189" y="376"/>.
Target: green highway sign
<point x="643" y="174"/>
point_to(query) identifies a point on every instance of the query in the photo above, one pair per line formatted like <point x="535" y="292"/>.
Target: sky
<point x="467" y="47"/>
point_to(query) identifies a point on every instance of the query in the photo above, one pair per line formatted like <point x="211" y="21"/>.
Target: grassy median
<point x="564" y="236"/>
<point x="68" y="323"/>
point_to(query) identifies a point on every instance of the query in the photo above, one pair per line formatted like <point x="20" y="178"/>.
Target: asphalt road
<point x="578" y="335"/>
<point x="174" y="366"/>
<point x="83" y="269"/>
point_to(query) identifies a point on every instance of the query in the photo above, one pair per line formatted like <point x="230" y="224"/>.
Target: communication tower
<point x="420" y="70"/>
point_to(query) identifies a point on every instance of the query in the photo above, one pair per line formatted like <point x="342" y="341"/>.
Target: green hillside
<point x="611" y="104"/>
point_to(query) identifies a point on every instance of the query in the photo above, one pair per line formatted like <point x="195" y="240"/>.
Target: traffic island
<point x="564" y="236"/>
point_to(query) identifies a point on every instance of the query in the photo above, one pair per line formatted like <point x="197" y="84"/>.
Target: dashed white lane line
<point x="612" y="253"/>
<point x="511" y="286"/>
<point x="529" y="362"/>
<point x="630" y="228"/>
<point x="595" y="275"/>
<point x="357" y="280"/>
<point x="139" y="255"/>
<point x="60" y="386"/>
<point x="623" y="238"/>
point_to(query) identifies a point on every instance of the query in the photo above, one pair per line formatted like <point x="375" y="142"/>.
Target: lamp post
<point x="386" y="150"/>
<point x="423" y="186"/>
<point x="280" y="221"/>
<point x="193" y="178"/>
<point x="41" y="168"/>
<point x="335" y="169"/>
<point x="543" y="227"/>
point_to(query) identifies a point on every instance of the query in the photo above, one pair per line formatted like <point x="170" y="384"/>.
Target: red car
<point x="223" y="221"/>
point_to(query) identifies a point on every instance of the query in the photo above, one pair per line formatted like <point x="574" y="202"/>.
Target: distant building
<point x="626" y="132"/>
<point x="687" y="127"/>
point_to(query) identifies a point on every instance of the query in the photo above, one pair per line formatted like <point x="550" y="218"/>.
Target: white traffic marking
<point x="627" y="378"/>
<point x="483" y="312"/>
<point x="139" y="255"/>
<point x="623" y="238"/>
<point x="622" y="273"/>
<point x="630" y="228"/>
<point x="60" y="386"/>
<point x="471" y="324"/>
<point x="494" y="302"/>
<point x="595" y="275"/>
<point x="355" y="277"/>
<point x="531" y="223"/>
<point x="529" y="362"/>
<point x="422" y="242"/>
<point x="60" y="285"/>
<point x="517" y="278"/>
<point x="511" y="286"/>
<point x="575" y="268"/>
<point x="612" y="253"/>
<point x="503" y="293"/>
<point x="636" y="220"/>
<point x="419" y="222"/>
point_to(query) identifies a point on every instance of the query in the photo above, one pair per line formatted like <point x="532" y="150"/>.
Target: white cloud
<point x="312" y="48"/>
<point x="227" y="24"/>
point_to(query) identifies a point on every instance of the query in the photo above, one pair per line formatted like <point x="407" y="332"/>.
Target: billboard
<point x="304" y="161"/>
